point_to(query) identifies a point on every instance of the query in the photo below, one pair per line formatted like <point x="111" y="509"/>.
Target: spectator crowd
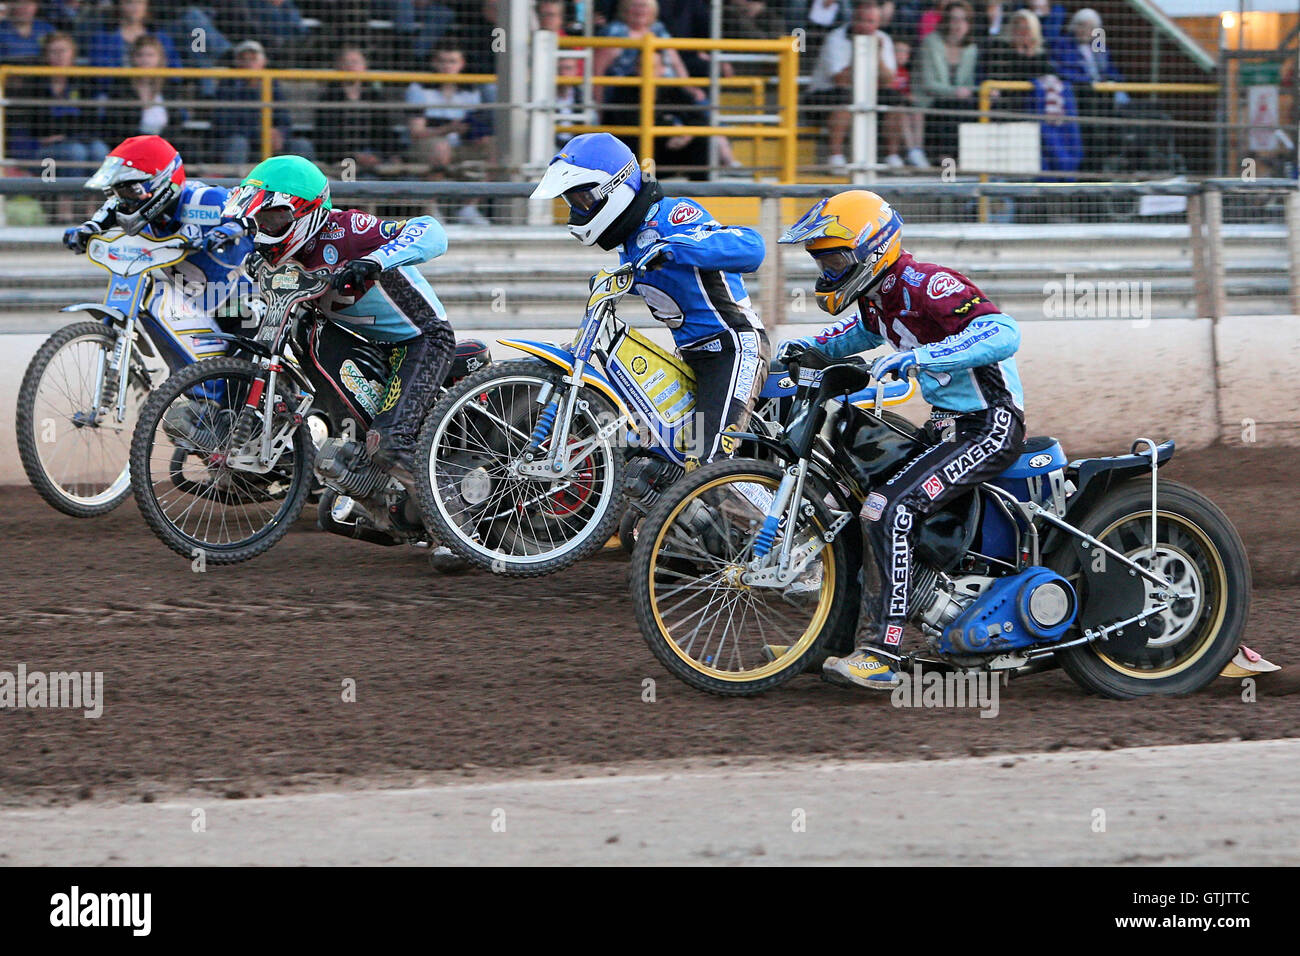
<point x="932" y="56"/>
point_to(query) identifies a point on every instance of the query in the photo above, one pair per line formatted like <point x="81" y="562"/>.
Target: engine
<point x="647" y="476"/>
<point x="938" y="599"/>
<point x="344" y="466"/>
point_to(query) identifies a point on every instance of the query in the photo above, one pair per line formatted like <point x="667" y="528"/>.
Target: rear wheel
<point x="478" y="504"/>
<point x="190" y="494"/>
<point x="76" y="458"/>
<point x="705" y="624"/>
<point x="1200" y="553"/>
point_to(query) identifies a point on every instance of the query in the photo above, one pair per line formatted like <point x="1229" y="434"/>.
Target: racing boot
<point x="418" y="368"/>
<point x="861" y="669"/>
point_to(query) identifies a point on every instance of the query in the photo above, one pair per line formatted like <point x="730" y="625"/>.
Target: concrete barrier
<point x="1095" y="384"/>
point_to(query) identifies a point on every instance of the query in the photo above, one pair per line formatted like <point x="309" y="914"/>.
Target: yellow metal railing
<point x="267" y="103"/>
<point x="988" y="86"/>
<point x="786" y="130"/>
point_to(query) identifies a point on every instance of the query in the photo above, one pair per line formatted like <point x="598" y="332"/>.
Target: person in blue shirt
<point x="21" y="33"/>
<point x="688" y="271"/>
<point x="112" y="45"/>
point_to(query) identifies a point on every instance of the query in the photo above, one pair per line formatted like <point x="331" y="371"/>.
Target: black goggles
<point x="130" y="196"/>
<point x="583" y="199"/>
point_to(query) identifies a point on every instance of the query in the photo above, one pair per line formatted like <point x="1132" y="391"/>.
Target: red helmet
<point x="145" y="174"/>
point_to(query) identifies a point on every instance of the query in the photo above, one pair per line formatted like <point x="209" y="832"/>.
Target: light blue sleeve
<point x="711" y="246"/>
<point x="985" y="341"/>
<point x="843" y="338"/>
<point x="420" y="240"/>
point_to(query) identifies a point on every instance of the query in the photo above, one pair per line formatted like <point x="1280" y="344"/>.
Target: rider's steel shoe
<point x="860" y="669"/>
<point x="446" y="561"/>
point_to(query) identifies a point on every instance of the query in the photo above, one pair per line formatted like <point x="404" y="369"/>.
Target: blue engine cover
<point x="1001" y="618"/>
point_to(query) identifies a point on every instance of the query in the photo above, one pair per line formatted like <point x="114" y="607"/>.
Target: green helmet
<point x="289" y="200"/>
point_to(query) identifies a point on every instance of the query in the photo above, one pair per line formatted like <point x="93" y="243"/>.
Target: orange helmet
<point x="855" y="237"/>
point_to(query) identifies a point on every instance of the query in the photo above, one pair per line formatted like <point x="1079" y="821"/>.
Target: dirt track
<point x="229" y="682"/>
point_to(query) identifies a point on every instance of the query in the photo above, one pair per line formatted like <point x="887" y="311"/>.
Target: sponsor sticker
<point x="893" y="635"/>
<point x="330" y="254"/>
<point x="942" y="285"/>
<point x="363" y="221"/>
<point x="968" y="305"/>
<point x="639" y="365"/>
<point x="647" y="236"/>
<point x="932" y="486"/>
<point x="889" y="283"/>
<point x="913" y="277"/>
<point x="683" y="212"/>
<point x="389" y="227"/>
<point x="875" y="506"/>
<point x="333" y="231"/>
<point x="1039" y="461"/>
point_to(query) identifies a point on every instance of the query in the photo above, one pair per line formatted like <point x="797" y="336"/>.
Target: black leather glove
<point x="790" y="349"/>
<point x="254" y="264"/>
<point x="77" y="237"/>
<point x="356" y="274"/>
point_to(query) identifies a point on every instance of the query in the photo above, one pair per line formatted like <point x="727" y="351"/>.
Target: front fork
<point x="118" y="362"/>
<point x="260" y="409"/>
<point x="554" y="423"/>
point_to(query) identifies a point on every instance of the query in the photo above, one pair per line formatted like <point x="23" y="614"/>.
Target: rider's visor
<point x="583" y="199"/>
<point x="834" y="263"/>
<point x="130" y="196"/>
<point x="274" y="220"/>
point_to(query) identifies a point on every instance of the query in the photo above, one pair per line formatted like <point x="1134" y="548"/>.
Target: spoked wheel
<point x="702" y="620"/>
<point x="191" y="495"/>
<point x="76" y="458"/>
<point x="472" y="495"/>
<point x="1200" y="554"/>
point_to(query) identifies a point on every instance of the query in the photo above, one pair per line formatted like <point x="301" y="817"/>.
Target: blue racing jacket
<point x="699" y="293"/>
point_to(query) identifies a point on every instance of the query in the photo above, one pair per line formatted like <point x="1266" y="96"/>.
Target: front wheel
<point x="75" y="457"/>
<point x="1200" y="553"/>
<point x="701" y="619"/>
<point x="472" y="495"/>
<point x="190" y="494"/>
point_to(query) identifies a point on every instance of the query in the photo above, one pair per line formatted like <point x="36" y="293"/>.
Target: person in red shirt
<point x="941" y="324"/>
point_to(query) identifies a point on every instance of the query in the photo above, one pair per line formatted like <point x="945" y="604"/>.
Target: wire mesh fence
<point x="408" y="89"/>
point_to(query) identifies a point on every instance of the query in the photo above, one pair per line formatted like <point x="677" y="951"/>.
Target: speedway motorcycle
<point x="747" y="571"/>
<point x="533" y="463"/>
<point x="223" y="455"/>
<point x="83" y="389"/>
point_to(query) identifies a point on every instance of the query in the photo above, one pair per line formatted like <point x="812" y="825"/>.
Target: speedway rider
<point x="688" y="270"/>
<point x="147" y="193"/>
<point x="377" y="291"/>
<point x="961" y="345"/>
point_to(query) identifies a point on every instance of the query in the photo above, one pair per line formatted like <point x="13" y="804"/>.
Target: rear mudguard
<point x="563" y="359"/>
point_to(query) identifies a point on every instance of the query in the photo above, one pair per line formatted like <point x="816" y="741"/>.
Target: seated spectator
<point x="448" y="128"/>
<point x="822" y="17"/>
<point x="276" y="24"/>
<point x="66" y="128"/>
<point x="363" y="133"/>
<point x="904" y="131"/>
<point x="949" y="58"/>
<point x="832" y="80"/>
<point x="1019" y="55"/>
<point x="550" y="16"/>
<point x="113" y="45"/>
<point x="752" y="20"/>
<point x="21" y="33"/>
<point x="138" y="104"/>
<point x="1082" y="60"/>
<point x="419" y="24"/>
<point x="239" y="129"/>
<point x="476" y="36"/>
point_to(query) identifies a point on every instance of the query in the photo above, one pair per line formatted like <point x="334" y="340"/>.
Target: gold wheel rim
<point x="796" y="647"/>
<point x="1218" y="595"/>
